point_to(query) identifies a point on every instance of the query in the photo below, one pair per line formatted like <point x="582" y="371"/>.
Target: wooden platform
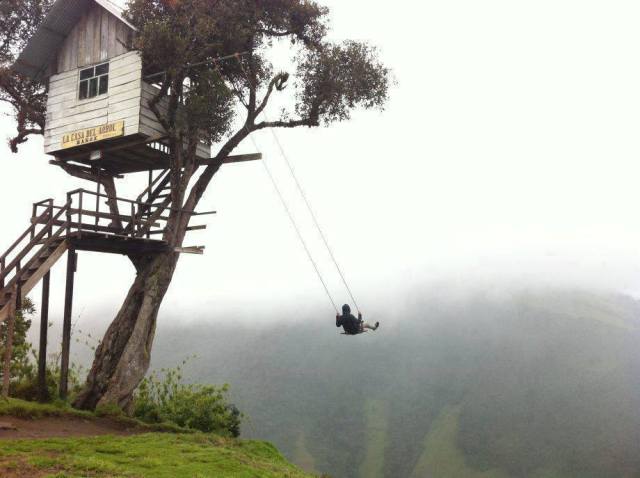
<point x="115" y="244"/>
<point x="131" y="155"/>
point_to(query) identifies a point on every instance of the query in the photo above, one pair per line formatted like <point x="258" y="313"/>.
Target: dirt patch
<point x="54" y="427"/>
<point x="19" y="468"/>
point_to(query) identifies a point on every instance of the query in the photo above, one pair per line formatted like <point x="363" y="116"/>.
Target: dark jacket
<point x="348" y="321"/>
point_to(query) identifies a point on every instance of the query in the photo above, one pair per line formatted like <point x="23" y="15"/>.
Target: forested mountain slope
<point x="533" y="384"/>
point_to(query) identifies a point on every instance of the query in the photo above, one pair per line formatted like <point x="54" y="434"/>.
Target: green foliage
<point x="332" y="79"/>
<point x="18" y="21"/>
<point x="25" y="385"/>
<point x="147" y="456"/>
<point x="21" y="365"/>
<point x="208" y="107"/>
<point x="24" y="374"/>
<point x="198" y="407"/>
<point x="336" y="79"/>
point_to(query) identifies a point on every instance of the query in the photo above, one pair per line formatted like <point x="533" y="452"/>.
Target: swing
<point x="308" y="206"/>
<point x="357" y="333"/>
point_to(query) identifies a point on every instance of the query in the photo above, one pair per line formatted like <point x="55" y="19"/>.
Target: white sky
<point x="508" y="154"/>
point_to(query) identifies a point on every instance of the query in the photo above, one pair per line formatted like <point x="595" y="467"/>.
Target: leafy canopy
<point x="331" y="79"/>
<point x="213" y="61"/>
<point x="19" y="19"/>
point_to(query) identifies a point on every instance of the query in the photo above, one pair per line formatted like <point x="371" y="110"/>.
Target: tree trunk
<point x="123" y="357"/>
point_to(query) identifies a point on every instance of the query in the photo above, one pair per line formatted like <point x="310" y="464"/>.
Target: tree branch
<point x="310" y="122"/>
<point x="153" y="105"/>
<point x="22" y="137"/>
<point x="275" y="33"/>
<point x="203" y="181"/>
<point x="278" y="82"/>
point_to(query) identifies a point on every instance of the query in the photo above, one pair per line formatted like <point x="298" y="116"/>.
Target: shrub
<point x="21" y="364"/>
<point x="200" y="407"/>
<point x="24" y="385"/>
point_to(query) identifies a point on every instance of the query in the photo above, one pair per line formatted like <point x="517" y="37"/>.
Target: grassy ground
<point x="22" y="409"/>
<point x="149" y="455"/>
<point x="32" y="410"/>
<point x="170" y="454"/>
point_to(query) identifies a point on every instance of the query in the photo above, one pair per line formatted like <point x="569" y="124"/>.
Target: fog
<point x="488" y="219"/>
<point x="530" y="383"/>
<point x="506" y="157"/>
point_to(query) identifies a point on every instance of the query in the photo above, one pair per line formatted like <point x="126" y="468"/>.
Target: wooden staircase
<point x="153" y="202"/>
<point x="38" y="248"/>
<point x="83" y="224"/>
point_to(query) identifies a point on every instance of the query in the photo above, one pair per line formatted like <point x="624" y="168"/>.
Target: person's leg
<point x="370" y="327"/>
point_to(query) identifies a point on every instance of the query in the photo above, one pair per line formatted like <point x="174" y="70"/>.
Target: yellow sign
<point x="91" y="135"/>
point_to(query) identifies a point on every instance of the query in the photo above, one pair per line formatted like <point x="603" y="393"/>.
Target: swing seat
<point x="353" y="335"/>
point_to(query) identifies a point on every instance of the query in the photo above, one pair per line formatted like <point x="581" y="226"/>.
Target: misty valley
<point x="191" y="188"/>
<point x="529" y="384"/>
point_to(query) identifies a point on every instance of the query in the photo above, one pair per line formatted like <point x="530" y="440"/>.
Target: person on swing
<point x="350" y="324"/>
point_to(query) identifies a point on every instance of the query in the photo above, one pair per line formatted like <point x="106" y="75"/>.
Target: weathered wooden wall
<point x="97" y="37"/>
<point x="66" y="113"/>
<point x="127" y="99"/>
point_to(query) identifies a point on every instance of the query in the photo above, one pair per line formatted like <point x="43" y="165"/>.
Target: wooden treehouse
<point x="99" y="127"/>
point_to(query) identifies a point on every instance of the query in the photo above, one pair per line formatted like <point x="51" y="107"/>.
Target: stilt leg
<point x="66" y="326"/>
<point x="43" y="392"/>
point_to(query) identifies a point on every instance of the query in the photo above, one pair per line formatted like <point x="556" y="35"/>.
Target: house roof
<point x="62" y="17"/>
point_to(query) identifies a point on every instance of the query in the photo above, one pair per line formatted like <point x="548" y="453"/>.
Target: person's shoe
<point x="377" y="325"/>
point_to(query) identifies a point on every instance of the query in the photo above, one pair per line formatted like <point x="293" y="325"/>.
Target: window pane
<point x="84" y="89"/>
<point x="93" y="87"/>
<point x="104" y="85"/>
<point x="86" y="74"/>
<point x="102" y="69"/>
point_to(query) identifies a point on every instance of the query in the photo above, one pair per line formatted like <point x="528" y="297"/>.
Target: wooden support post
<point x="43" y="391"/>
<point x="149" y="200"/>
<point x="72" y="259"/>
<point x="97" y="204"/>
<point x="109" y="186"/>
<point x="14" y="305"/>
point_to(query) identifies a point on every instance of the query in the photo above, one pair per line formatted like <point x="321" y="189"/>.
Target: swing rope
<point x="306" y="201"/>
<point x="295" y="226"/>
<point x="312" y="213"/>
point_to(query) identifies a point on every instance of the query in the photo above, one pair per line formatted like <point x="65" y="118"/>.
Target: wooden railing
<point x="86" y="212"/>
<point x="138" y="219"/>
<point x="22" y="255"/>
